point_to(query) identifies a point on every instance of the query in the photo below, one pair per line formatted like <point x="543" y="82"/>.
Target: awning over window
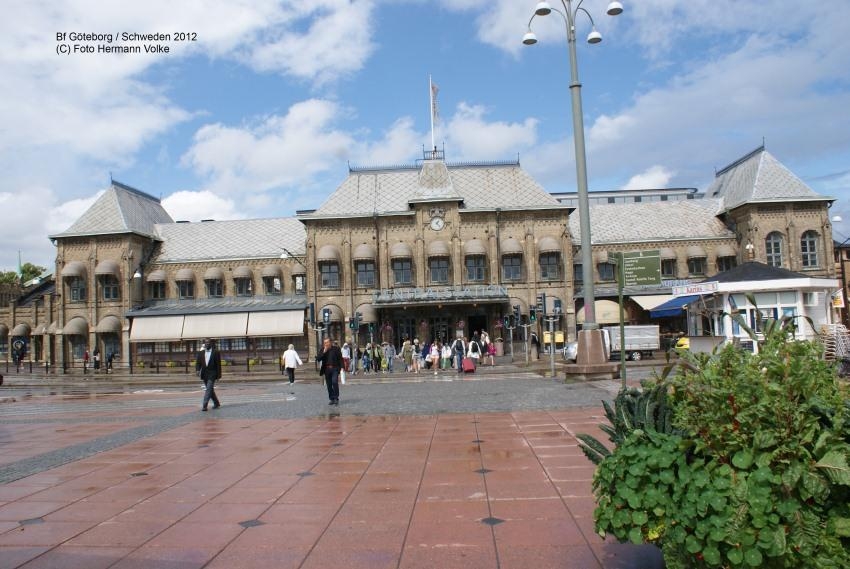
<point x="667" y="253"/>
<point x="76" y="327"/>
<point x="109" y="325"/>
<point x="600" y="257"/>
<point x="725" y="251"/>
<point x="548" y="245"/>
<point x="21" y="329"/>
<point x="651" y="301"/>
<point x="107" y="267"/>
<point x="695" y="252"/>
<point x="276" y="323"/>
<point x="185" y="275"/>
<point x="364" y="252"/>
<point x="328" y="253"/>
<point x="438" y="248"/>
<point x="336" y="313"/>
<point x="369" y="314"/>
<point x="157" y="276"/>
<point x="607" y="312"/>
<point x="474" y="247"/>
<point x="53" y="328"/>
<point x="243" y="272"/>
<point x="227" y="325"/>
<point x="672" y="307"/>
<point x="39" y="330"/>
<point x="511" y="246"/>
<point x="401" y="251"/>
<point x="272" y="271"/>
<point x="298" y="269"/>
<point x="214" y="274"/>
<point x="74" y="269"/>
<point x="157" y="329"/>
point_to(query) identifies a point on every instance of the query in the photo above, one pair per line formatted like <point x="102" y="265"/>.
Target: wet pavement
<point x="427" y="472"/>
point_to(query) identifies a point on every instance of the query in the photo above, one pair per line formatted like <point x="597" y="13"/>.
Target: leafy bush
<point x="753" y="471"/>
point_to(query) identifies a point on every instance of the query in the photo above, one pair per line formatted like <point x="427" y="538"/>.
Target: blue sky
<point x="263" y="113"/>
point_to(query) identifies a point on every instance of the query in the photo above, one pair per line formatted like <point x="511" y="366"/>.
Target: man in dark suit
<point x="331" y="358"/>
<point x="208" y="368"/>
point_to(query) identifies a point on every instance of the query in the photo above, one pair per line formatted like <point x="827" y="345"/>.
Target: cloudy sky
<point x="262" y="112"/>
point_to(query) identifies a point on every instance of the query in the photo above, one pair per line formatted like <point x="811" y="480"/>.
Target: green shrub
<point x="754" y="471"/>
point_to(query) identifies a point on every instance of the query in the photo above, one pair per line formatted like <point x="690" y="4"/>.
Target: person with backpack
<point x="474" y="351"/>
<point x="459" y="348"/>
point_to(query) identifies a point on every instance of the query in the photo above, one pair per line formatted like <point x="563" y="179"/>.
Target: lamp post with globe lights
<point x="570" y="12"/>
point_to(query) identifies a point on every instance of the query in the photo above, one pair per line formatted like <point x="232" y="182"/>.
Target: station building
<point x="430" y="250"/>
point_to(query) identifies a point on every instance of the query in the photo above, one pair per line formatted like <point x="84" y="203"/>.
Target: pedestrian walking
<point x="96" y="358"/>
<point x="434" y="355"/>
<point x="110" y="356"/>
<point x="417" y="355"/>
<point x="446" y="357"/>
<point x="290" y="362"/>
<point x="331" y="360"/>
<point x="85" y="361"/>
<point x="407" y="355"/>
<point x="208" y="368"/>
<point x="459" y="348"/>
<point x="346" y="356"/>
<point x="389" y="355"/>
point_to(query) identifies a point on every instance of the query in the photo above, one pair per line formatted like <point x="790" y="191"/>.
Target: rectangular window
<point x="402" y="272"/>
<point x="111" y="290"/>
<point x="476" y="270"/>
<point x="726" y="263"/>
<point x="272" y="286"/>
<point x="365" y="273"/>
<point x="185" y="289"/>
<point x="668" y="268"/>
<point x="329" y="275"/>
<point x="439" y="267"/>
<point x="157" y="290"/>
<point x="299" y="284"/>
<point x="578" y="275"/>
<point x="244" y="287"/>
<point x="550" y="266"/>
<point x="696" y="266"/>
<point x="215" y="288"/>
<point x="78" y="290"/>
<point x="606" y="271"/>
<point x="512" y="267"/>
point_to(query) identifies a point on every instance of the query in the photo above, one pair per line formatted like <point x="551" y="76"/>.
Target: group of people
<point x="336" y="360"/>
<point x="95" y="358"/>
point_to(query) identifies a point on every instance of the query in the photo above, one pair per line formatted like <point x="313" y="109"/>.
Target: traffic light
<point x="557" y="303"/>
<point x="371" y="327"/>
<point x="507" y="320"/>
<point x="541" y="304"/>
<point x="312" y="313"/>
<point x="326" y="315"/>
<point x="354" y="323"/>
<point x="517" y="313"/>
<point x="532" y="314"/>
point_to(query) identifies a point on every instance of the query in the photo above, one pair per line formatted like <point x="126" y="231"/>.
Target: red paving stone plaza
<point x="468" y="490"/>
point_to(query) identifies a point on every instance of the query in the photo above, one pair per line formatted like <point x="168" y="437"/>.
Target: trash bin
<point x="500" y="347"/>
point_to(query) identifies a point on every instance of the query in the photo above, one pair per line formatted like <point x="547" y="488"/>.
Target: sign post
<point x="635" y="268"/>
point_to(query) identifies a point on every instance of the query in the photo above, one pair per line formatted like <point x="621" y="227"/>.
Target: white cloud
<point x="473" y="138"/>
<point x="195" y="206"/>
<point x="654" y="177"/>
<point x="396" y="146"/>
<point x="278" y="151"/>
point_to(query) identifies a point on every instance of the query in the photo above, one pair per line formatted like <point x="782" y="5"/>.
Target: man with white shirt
<point x="208" y="368"/>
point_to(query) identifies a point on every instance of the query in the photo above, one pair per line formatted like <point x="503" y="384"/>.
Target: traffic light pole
<point x="525" y="340"/>
<point x="551" y="321"/>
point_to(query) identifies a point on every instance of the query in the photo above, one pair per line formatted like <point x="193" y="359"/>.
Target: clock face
<point x="437" y="223"/>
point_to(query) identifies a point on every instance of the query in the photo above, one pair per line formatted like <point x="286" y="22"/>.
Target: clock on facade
<point x="437" y="223"/>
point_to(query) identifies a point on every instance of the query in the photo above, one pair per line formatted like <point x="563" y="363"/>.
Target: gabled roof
<point x="238" y="239"/>
<point x="755" y="271"/>
<point x="653" y="221"/>
<point x="120" y="209"/>
<point x="759" y="177"/>
<point x="393" y="190"/>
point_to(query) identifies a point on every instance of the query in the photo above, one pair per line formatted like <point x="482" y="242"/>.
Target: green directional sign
<point x="642" y="268"/>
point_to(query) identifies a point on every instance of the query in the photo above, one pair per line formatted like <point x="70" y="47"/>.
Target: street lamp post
<point x="569" y="13"/>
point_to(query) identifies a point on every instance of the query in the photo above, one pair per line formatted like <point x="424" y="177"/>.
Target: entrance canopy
<point x="651" y="301"/>
<point x="607" y="312"/>
<point x="159" y="328"/>
<point x="672" y="307"/>
<point x="289" y="323"/>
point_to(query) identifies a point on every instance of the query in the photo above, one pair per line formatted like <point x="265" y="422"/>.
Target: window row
<point x="215" y="288"/>
<point x="697" y="267"/>
<point x="439" y="271"/>
<point x="774" y="249"/>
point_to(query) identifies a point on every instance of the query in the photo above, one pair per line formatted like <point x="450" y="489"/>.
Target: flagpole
<point x="431" y="110"/>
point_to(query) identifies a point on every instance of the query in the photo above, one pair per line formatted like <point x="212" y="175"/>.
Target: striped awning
<point x="511" y="246"/>
<point x="474" y="247"/>
<point x="328" y="253"/>
<point x="157" y="276"/>
<point x="401" y="251"/>
<point x="364" y="252"/>
<point x="548" y="245"/>
<point x="107" y="267"/>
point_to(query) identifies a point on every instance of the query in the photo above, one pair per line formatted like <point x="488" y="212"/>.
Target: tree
<point x="28" y="272"/>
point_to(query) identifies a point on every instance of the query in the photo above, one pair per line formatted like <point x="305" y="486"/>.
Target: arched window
<point x="773" y="249"/>
<point x="809" y="249"/>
